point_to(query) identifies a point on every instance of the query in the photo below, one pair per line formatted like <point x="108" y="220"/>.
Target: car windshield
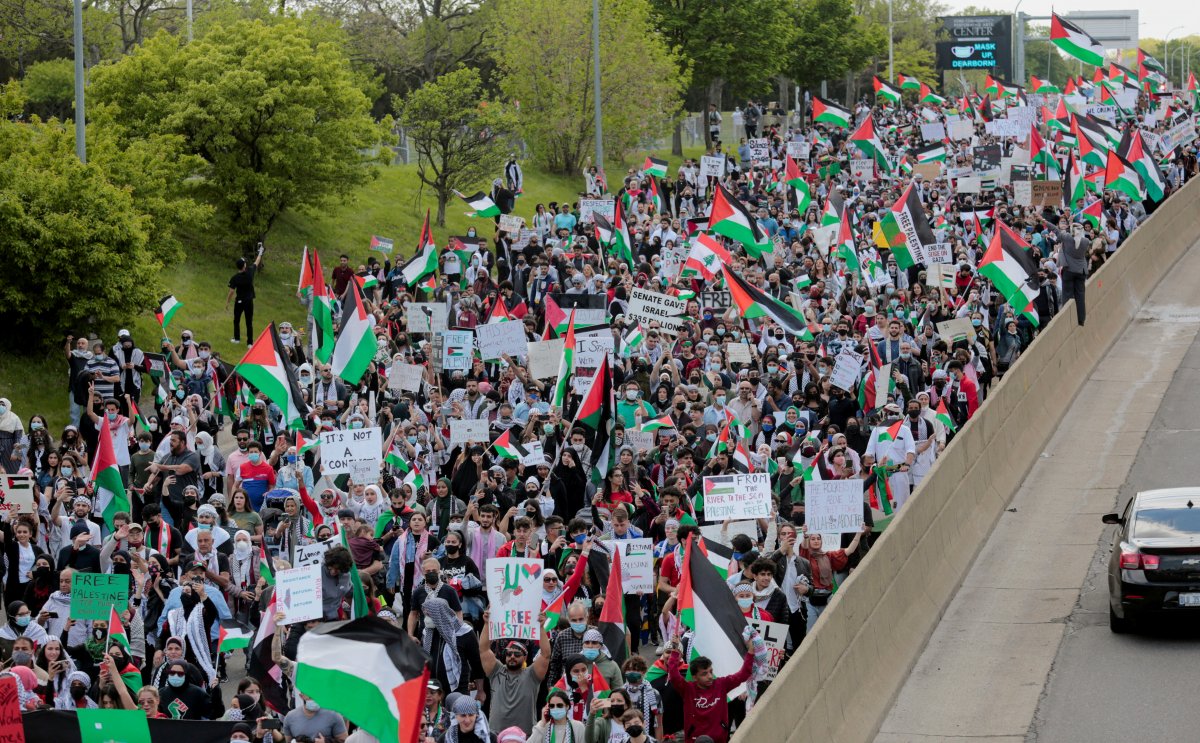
<point x="1167" y="523"/>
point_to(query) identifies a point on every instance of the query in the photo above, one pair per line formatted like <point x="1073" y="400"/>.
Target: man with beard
<point x="514" y="685"/>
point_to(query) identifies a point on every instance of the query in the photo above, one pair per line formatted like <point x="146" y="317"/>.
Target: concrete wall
<point x="841" y="684"/>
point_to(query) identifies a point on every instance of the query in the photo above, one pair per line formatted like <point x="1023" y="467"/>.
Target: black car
<point x="1154" y="569"/>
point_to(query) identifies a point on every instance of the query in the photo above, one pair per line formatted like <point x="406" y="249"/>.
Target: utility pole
<point x="80" y="128"/>
<point x="1019" y="48"/>
<point x="891" y="47"/>
<point x="189" y="21"/>
<point x="596" y="83"/>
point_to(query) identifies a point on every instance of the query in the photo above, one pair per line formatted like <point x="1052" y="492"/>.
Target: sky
<point x="1156" y="18"/>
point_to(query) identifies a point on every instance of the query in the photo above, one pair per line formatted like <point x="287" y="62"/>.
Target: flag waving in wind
<point x="753" y="302"/>
<point x="1075" y="41"/>
<point x="266" y="366"/>
<point x="355" y="346"/>
<point x="107" y="485"/>
<point x="708" y="608"/>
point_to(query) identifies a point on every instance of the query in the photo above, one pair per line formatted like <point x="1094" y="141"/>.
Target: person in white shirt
<point x="893" y="450"/>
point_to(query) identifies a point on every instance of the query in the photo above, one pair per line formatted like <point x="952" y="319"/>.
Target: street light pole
<point x="595" y="83"/>
<point x="80" y="128"/>
<point x="189" y="21"/>
<point x="891" y="47"/>
<point x="1167" y="50"/>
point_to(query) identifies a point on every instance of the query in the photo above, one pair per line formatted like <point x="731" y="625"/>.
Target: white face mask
<point x="242" y="550"/>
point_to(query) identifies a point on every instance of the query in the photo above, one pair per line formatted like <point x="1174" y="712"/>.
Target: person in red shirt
<point x="705" y="703"/>
<point x="519" y="546"/>
<point x="342" y="275"/>
<point x="256" y="475"/>
<point x="968" y="391"/>
<point x="669" y="569"/>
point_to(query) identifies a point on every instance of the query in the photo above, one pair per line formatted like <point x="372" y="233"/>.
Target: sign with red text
<point x="514" y="588"/>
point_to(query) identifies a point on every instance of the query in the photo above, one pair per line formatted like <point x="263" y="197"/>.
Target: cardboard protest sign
<point x="468" y="431"/>
<point x="712" y="166"/>
<point x="544" y="358"/>
<point x="637" y="564"/>
<point x="298" y="593"/>
<point x="500" y="339"/>
<point x="357" y="449"/>
<point x="956" y="329"/>
<point x="646" y="306"/>
<point x="426" y="317"/>
<point x="1046" y="193"/>
<point x="590" y="207"/>
<point x="457" y="349"/>
<point x="833" y="506"/>
<point x="514" y="589"/>
<point x="774" y="635"/>
<point x="511" y="223"/>
<point x="739" y="496"/>
<point x="94" y="594"/>
<point x="16" y="494"/>
<point x="928" y="171"/>
<point x="314" y="554"/>
<point x="404" y="376"/>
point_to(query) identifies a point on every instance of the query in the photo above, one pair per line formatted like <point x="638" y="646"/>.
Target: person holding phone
<point x="554" y="724"/>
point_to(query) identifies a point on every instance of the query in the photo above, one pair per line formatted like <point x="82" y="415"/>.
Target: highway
<point x="1023" y="653"/>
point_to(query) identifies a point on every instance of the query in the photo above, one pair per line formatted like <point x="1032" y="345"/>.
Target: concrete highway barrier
<point x="842" y="682"/>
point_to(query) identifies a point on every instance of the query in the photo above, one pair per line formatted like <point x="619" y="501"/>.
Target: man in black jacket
<point x="79" y="555"/>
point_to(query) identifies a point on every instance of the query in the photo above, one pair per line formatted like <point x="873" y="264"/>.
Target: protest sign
<point x="1046" y="193"/>
<point x="774" y="635"/>
<point x="93" y="594"/>
<point x="427" y="317"/>
<point x="712" y="166"/>
<point x="404" y="376"/>
<point x="536" y="454"/>
<point x="739" y="496"/>
<point x="724" y="533"/>
<point x="592" y="345"/>
<point x="986" y="157"/>
<point x="589" y="207"/>
<point x="1102" y="111"/>
<point x="1022" y="192"/>
<point x="500" y="339"/>
<point x="970" y="184"/>
<point x="637" y="564"/>
<point x="342" y="451"/>
<point x="545" y="357"/>
<point x="511" y="223"/>
<point x="590" y="309"/>
<point x="738" y="353"/>
<point x="465" y="431"/>
<point x="823" y="237"/>
<point x="639" y="440"/>
<point x="716" y="300"/>
<point x="956" y="329"/>
<point x="833" y="506"/>
<point x="1180" y="134"/>
<point x="12" y="727"/>
<point x="845" y="372"/>
<point x="962" y="129"/>
<point x="298" y="593"/>
<point x="760" y="152"/>
<point x="16" y="494"/>
<point x="1006" y="128"/>
<point x="939" y="253"/>
<point x="523" y="237"/>
<point x="799" y="150"/>
<point x="862" y="168"/>
<point x="928" y="171"/>
<point x="314" y="554"/>
<point x="646" y="306"/>
<point x="457" y="348"/>
<point x="933" y="131"/>
<point x="514" y="589"/>
<point x="1026" y="116"/>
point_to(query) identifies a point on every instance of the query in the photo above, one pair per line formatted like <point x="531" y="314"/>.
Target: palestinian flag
<point x="865" y="140"/>
<point x="657" y="423"/>
<point x="499" y="312"/>
<point x="425" y="262"/>
<point x="708" y="608"/>
<point x="655" y="167"/>
<point x="1134" y="151"/>
<point x="305" y="282"/>
<point x="265" y="569"/>
<point x="885" y="91"/>
<point x="108" y="489"/>
<point x="729" y="217"/>
<point x="556" y="610"/>
<point x="1119" y="175"/>
<point x="943" y="415"/>
<point x="753" y="302"/>
<point x="167" y="307"/>
<point x="910" y="220"/>
<point x="878" y="501"/>
<point x="632" y="340"/>
<point x="653" y="196"/>
<point x="835" y="205"/>
<point x="1092" y="144"/>
<point x="876" y="385"/>
<point x="596" y="412"/>
<point x="908" y="83"/>
<point x="383" y="245"/>
<point x="116" y="631"/>
<point x="706" y="257"/>
<point x="741" y="458"/>
<point x="369" y="671"/>
<point x="991" y="87"/>
<point x="621" y="244"/>
<point x="926" y="95"/>
<point x="507" y="448"/>
<point x="612" y="621"/>
<point x="321" y="310"/>
<point x="1075" y="41"/>
<point x="566" y="366"/>
<point x="1042" y="87"/>
<point x="845" y="247"/>
<point x="111" y="725"/>
<point x="262" y="667"/>
<point x="481" y="204"/>
<point x="136" y="414"/>
<point x="1092" y="213"/>
<point x="793" y="178"/>
<point x="824" y="112"/>
<point x="267" y="368"/>
<point x="1148" y="64"/>
<point x="355" y="346"/>
<point x="934" y="153"/>
<point x="556" y="319"/>
<point x="1009" y="266"/>
<point x="1070" y="87"/>
<point x="396" y="459"/>
<point x="891" y="432"/>
<point x="305" y="444"/>
<point x="1041" y="152"/>
<point x="234" y="635"/>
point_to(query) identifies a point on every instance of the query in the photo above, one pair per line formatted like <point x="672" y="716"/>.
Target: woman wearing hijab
<point x="20" y="624"/>
<point x="452" y="645"/>
<point x="568" y="484"/>
<point x="243" y="576"/>
<point x="75" y="694"/>
<point x="11" y="434"/>
<point x="212" y="464"/>
<point x="293" y="528"/>
<point x="52" y="659"/>
<point x="824" y="564"/>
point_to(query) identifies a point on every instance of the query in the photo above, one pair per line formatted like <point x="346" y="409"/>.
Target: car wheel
<point x="1118" y="625"/>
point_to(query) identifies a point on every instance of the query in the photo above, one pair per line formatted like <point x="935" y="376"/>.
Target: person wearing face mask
<point x="20" y="624"/>
<point x="255" y="476"/>
<point x="179" y="699"/>
<point x="120" y="430"/>
<point x="556" y="723"/>
<point x="513" y="684"/>
<point x="131" y="361"/>
<point x="605" y="721"/>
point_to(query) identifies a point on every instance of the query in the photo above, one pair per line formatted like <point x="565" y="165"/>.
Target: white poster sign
<point x="799" y="150"/>
<point x="1023" y="193"/>
<point x="833" y="506"/>
<point x="545" y="357"/>
<point x="760" y="152"/>
<point x="500" y="339"/>
<point x="16" y="494"/>
<point x="457" y="349"/>
<point x="343" y="451"/>
<point x="468" y="431"/>
<point x="933" y="132"/>
<point x="774" y="636"/>
<point x="845" y="372"/>
<point x="511" y="223"/>
<point x="588" y="207"/>
<point x="962" y="129"/>
<point x="640" y="440"/>
<point x="712" y="166"/>
<point x="298" y="594"/>
<point x="591" y="348"/>
<point x="637" y="564"/>
<point x="738" y="353"/>
<point x="314" y="554"/>
<point x="514" y="589"/>
<point x="426" y="317"/>
<point x="536" y="454"/>
<point x="646" y="306"/>
<point x="862" y="168"/>
<point x="939" y="253"/>
<point x="972" y="184"/>
<point x="404" y="376"/>
<point x="737" y="496"/>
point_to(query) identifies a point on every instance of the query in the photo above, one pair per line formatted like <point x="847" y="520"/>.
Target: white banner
<point x="359" y="449"/>
<point x="500" y="338"/>
<point x="469" y="431"/>
<point x="737" y="496"/>
<point x="833" y="506"/>
<point x="298" y="594"/>
<point x="514" y="589"/>
<point x="646" y="306"/>
<point x="637" y="564"/>
<point x="426" y="317"/>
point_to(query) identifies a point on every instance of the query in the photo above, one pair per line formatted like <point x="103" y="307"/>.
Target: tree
<point x="275" y="112"/>
<point x="830" y="40"/>
<point x="457" y="134"/>
<point x="545" y="63"/>
<point x="719" y="40"/>
<point x="50" y="88"/>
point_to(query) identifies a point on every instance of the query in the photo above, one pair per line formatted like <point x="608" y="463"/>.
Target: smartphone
<point x="271" y="725"/>
<point x="52" y="614"/>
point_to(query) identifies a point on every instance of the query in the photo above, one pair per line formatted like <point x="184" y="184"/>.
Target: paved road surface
<point x="1023" y="652"/>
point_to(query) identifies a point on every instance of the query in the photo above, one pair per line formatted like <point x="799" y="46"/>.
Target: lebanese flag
<point x="707" y="256"/>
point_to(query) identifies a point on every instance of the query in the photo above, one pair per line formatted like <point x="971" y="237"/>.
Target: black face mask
<point x="78" y="692"/>
<point x="120" y="568"/>
<point x="617" y="712"/>
<point x="451" y="549"/>
<point x="432" y="576"/>
<point x="634" y="730"/>
<point x="914" y="414"/>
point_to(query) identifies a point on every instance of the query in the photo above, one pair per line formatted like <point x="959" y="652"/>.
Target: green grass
<point x="392" y="206"/>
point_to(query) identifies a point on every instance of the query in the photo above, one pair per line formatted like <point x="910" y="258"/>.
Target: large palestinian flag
<point x="109" y="487"/>
<point x="612" y="615"/>
<point x="729" y="217"/>
<point x="369" y="671"/>
<point x="1009" y="266"/>
<point x="865" y="140"/>
<point x="321" y="310"/>
<point x="885" y="91"/>
<point x="825" y="112"/>
<point x="1075" y="41"/>
<point x="355" y="347"/>
<point x="266" y="367"/>
<point x="753" y="302"/>
<point x="1133" y="149"/>
<point x="909" y="218"/>
<point x="708" y="608"/>
<point x="481" y="203"/>
<point x="1119" y="175"/>
<point x="425" y="262"/>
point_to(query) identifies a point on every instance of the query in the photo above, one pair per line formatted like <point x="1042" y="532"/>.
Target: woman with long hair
<point x="242" y="514"/>
<point x="413" y="545"/>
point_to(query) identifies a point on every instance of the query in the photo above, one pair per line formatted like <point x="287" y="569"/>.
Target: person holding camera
<point x="241" y="286"/>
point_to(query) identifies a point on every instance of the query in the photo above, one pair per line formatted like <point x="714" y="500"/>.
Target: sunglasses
<point x="557" y="706"/>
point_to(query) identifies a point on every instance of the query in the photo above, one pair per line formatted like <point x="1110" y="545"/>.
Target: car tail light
<point x="1138" y="561"/>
